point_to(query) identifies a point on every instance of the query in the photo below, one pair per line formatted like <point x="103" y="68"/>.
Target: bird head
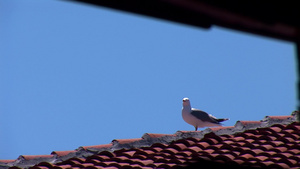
<point x="186" y="101"/>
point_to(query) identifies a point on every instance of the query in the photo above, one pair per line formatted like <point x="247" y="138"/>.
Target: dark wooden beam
<point x="277" y="19"/>
<point x="154" y="8"/>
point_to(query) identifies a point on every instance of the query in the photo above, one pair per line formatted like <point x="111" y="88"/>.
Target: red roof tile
<point x="279" y="117"/>
<point x="7" y="161"/>
<point x="125" y="141"/>
<point x="273" y="143"/>
<point x="104" y="146"/>
<point x="152" y="135"/>
<point x="62" y="153"/>
<point x="31" y="157"/>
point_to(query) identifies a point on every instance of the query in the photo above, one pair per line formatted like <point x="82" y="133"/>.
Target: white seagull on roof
<point x="198" y="118"/>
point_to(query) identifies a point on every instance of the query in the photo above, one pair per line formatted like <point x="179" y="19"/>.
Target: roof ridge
<point x="148" y="139"/>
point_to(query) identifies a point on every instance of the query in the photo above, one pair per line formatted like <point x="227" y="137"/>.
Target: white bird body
<point x="198" y="118"/>
<point x="189" y="118"/>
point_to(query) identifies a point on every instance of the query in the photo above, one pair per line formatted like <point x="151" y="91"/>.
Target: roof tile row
<point x="271" y="143"/>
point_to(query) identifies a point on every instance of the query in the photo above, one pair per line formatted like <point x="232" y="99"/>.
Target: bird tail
<point x="220" y="120"/>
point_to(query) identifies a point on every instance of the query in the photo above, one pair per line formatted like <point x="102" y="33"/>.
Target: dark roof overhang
<point x="274" y="19"/>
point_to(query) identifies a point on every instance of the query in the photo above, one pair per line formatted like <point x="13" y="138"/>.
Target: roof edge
<point x="148" y="139"/>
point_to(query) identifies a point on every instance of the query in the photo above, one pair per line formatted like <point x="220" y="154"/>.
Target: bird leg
<point x="196" y="128"/>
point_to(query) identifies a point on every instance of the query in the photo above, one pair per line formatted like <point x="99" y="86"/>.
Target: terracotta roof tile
<point x="273" y="143"/>
<point x="153" y="135"/>
<point x="279" y="165"/>
<point x="65" y="166"/>
<point x="62" y="153"/>
<point x="215" y="129"/>
<point x="104" y="146"/>
<point x="31" y="157"/>
<point x="294" y="151"/>
<point x="251" y="123"/>
<point x="111" y="167"/>
<point x="276" y="143"/>
<point x="266" y="147"/>
<point x="39" y="167"/>
<point x="98" y="157"/>
<point x="125" y="141"/>
<point x="7" y="161"/>
<point x="279" y="117"/>
<point x="143" y="162"/>
<point x="170" y="151"/>
<point x="262" y="157"/>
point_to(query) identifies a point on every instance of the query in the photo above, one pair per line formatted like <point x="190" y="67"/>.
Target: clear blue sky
<point x="75" y="75"/>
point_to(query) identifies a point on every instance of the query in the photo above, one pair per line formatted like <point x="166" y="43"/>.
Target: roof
<point x="275" y="19"/>
<point x="273" y="142"/>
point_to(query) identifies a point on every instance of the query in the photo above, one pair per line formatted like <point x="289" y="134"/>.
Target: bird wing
<point x="203" y="116"/>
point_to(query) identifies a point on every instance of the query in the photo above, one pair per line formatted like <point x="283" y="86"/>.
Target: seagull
<point x="198" y="118"/>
